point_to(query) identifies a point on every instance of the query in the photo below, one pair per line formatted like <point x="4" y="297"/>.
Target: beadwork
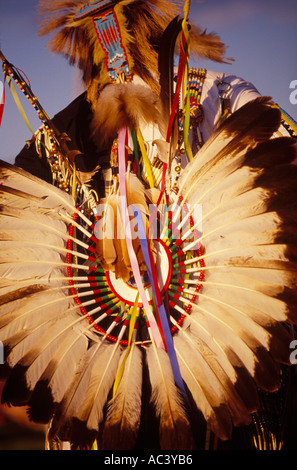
<point x="195" y="84"/>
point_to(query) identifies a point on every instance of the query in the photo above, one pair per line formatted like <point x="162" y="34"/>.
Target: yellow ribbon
<point x="185" y="80"/>
<point x="145" y="159"/>
<point x="74" y="182"/>
<point x="133" y="313"/>
<point x="187" y="8"/>
<point x="95" y="446"/>
<point x="187" y="128"/>
<point x="18" y="103"/>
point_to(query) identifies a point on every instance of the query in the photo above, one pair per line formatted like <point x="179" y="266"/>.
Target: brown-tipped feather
<point x="207" y="45"/>
<point x="124" y="409"/>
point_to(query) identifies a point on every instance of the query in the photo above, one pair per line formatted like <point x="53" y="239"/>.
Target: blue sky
<point x="261" y="36"/>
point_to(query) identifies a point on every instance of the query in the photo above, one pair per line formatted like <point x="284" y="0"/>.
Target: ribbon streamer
<point x="132" y="256"/>
<point x="2" y="103"/>
<point x="18" y="103"/>
<point x="181" y="81"/>
<point x="145" y="159"/>
<point x="159" y="303"/>
<point x="133" y="316"/>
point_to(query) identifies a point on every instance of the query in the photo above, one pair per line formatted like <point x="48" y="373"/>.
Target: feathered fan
<point x="77" y="337"/>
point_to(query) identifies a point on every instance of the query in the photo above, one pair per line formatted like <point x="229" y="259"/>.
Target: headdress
<point x="123" y="36"/>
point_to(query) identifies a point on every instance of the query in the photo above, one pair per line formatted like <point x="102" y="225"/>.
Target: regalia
<point x="165" y="307"/>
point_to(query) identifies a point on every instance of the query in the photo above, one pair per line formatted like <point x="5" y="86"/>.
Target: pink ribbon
<point x="133" y="259"/>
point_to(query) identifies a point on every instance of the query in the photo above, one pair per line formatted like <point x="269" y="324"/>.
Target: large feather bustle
<point x="244" y="181"/>
<point x="234" y="338"/>
<point x="142" y="25"/>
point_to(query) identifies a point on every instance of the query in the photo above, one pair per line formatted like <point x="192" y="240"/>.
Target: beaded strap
<point x="109" y="35"/>
<point x="195" y="84"/>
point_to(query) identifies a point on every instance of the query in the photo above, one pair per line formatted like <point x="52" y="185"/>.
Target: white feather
<point x="174" y="428"/>
<point x="210" y="385"/>
<point x="124" y="409"/>
<point x="102" y="376"/>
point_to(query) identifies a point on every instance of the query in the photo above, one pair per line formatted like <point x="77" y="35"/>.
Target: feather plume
<point x="214" y="390"/>
<point x="73" y="397"/>
<point x="207" y="45"/>
<point x="57" y="376"/>
<point x="174" y="428"/>
<point x="32" y="364"/>
<point x="250" y="125"/>
<point x="81" y="411"/>
<point x="124" y="409"/>
<point x="101" y="379"/>
<point x="17" y="178"/>
<point x="141" y="24"/>
<point x="166" y="64"/>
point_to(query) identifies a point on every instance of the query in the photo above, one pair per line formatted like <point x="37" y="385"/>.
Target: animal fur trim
<point x="124" y="105"/>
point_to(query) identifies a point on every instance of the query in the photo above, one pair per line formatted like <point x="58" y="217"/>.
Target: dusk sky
<point x="261" y="36"/>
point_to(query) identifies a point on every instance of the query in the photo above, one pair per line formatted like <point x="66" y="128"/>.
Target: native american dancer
<point x="147" y="244"/>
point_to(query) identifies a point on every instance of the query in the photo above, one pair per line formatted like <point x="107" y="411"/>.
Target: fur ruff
<point x="123" y="105"/>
